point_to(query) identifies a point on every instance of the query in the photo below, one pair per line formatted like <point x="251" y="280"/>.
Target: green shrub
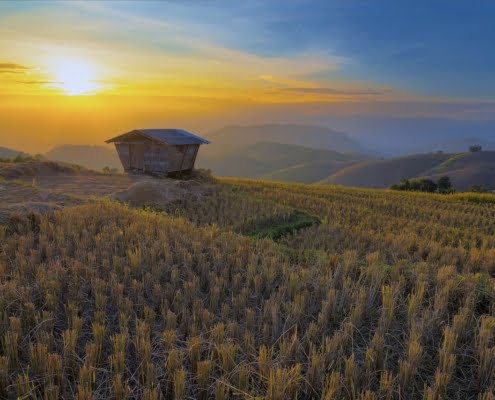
<point x="442" y="186"/>
<point x="416" y="185"/>
<point x="445" y="185"/>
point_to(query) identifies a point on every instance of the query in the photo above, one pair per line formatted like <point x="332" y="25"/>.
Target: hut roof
<point x="165" y="136"/>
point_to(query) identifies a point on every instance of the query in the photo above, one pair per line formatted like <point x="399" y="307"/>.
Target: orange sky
<point x="76" y="90"/>
<point x="81" y="72"/>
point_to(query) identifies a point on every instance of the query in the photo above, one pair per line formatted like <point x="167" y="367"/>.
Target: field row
<point x="101" y="301"/>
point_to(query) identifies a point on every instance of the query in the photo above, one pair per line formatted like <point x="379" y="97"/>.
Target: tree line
<point x="443" y="185"/>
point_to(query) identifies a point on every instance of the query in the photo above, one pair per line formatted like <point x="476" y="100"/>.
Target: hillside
<point x="301" y="135"/>
<point x="309" y="171"/>
<point x="383" y="173"/>
<point x="467" y="169"/>
<point x="92" y="157"/>
<point x="6" y="153"/>
<point x="464" y="169"/>
<point x="248" y="289"/>
<point x="276" y="161"/>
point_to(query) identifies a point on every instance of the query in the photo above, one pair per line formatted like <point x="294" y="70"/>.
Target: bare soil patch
<point x="47" y="186"/>
<point x="17" y="197"/>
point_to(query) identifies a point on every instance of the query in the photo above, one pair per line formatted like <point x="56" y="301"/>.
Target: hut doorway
<point x="137" y="156"/>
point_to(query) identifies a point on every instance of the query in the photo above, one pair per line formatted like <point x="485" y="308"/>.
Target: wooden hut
<point x="158" y="151"/>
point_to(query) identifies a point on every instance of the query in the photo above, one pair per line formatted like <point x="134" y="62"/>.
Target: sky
<point x="80" y="72"/>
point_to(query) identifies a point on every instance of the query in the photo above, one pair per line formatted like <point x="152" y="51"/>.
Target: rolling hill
<point x="464" y="169"/>
<point x="282" y="152"/>
<point x="276" y="161"/>
<point x="467" y="169"/>
<point x="92" y="157"/>
<point x="307" y="172"/>
<point x="9" y="153"/>
<point x="302" y="135"/>
<point x="386" y="172"/>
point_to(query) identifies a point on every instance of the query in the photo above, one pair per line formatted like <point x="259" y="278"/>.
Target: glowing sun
<point x="75" y="77"/>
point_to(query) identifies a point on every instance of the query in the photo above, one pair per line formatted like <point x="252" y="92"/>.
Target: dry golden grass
<point x="391" y="296"/>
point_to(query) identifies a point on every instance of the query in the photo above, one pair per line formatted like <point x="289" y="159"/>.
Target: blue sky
<point x="440" y="48"/>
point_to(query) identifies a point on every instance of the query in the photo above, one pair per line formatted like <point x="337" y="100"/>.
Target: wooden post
<point x="183" y="157"/>
<point x="195" y="155"/>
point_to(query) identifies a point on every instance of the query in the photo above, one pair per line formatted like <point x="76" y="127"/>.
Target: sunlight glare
<point x="75" y="77"/>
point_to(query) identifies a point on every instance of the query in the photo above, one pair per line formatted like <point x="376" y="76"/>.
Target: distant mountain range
<point x="302" y="135"/>
<point x="291" y="153"/>
<point x="311" y="154"/>
<point x="276" y="161"/>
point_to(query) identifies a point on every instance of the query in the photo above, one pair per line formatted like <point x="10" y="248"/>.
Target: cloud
<point x="37" y="82"/>
<point x="12" y="68"/>
<point x="333" y="91"/>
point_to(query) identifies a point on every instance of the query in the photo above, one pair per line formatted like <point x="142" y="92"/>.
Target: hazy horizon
<point x="80" y="72"/>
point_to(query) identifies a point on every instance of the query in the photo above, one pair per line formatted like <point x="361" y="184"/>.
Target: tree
<point x="416" y="185"/>
<point x="445" y="185"/>
<point x="427" y="185"/>
<point x="475" y="148"/>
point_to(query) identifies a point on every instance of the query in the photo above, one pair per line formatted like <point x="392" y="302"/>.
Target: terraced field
<point x="380" y="295"/>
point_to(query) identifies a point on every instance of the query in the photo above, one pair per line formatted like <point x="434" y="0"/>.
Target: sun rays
<point x="75" y="77"/>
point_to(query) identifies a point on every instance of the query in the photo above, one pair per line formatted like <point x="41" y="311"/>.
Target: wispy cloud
<point x="161" y="55"/>
<point x="338" y="92"/>
<point x="8" y="67"/>
<point x="37" y="82"/>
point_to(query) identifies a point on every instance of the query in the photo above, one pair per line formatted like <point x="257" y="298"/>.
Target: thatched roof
<point x="165" y="136"/>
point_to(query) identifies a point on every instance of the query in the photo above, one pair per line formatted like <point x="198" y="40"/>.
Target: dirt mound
<point x="159" y="192"/>
<point x="197" y="175"/>
<point x="37" y="168"/>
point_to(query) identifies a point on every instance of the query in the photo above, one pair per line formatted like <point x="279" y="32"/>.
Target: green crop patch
<point x="282" y="226"/>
